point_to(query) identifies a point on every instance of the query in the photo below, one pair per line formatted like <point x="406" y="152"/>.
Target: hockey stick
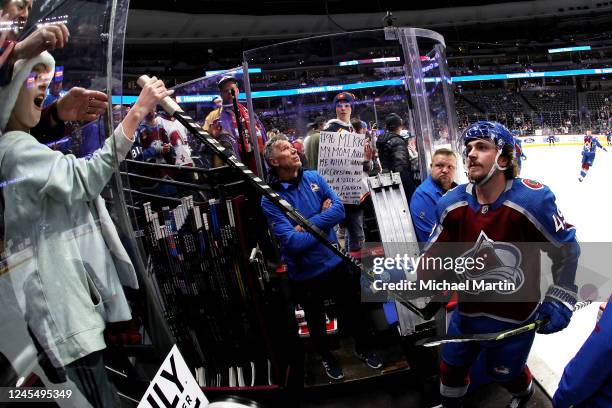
<point x="174" y="110"/>
<point x="502" y="335"/>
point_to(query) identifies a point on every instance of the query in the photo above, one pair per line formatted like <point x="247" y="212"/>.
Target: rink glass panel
<point x="396" y="70"/>
<point x="91" y="59"/>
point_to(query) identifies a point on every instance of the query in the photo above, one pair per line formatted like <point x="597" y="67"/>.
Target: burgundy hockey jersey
<point x="507" y="237"/>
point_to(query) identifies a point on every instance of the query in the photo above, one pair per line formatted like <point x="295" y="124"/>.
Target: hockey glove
<point x="557" y="309"/>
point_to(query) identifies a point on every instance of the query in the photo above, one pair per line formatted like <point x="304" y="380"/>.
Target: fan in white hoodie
<point x="65" y="262"/>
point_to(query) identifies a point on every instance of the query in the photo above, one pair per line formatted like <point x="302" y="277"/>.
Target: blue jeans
<point x="354" y="237"/>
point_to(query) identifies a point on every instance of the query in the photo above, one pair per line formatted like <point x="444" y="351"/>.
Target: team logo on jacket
<point x="502" y="263"/>
<point x="532" y="184"/>
<point x="314" y="187"/>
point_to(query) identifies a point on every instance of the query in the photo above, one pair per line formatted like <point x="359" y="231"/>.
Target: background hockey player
<point x="498" y="211"/>
<point x="551" y="139"/>
<point x="591" y="143"/>
<point x="518" y="149"/>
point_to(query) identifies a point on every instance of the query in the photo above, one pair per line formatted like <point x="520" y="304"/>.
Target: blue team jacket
<point x="587" y="379"/>
<point x="303" y="254"/>
<point x="423" y="208"/>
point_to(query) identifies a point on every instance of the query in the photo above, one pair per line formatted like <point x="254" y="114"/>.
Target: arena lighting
<point x="238" y="71"/>
<point x="52" y="21"/>
<point x="126" y="100"/>
<point x="369" y="61"/>
<point x="569" y="49"/>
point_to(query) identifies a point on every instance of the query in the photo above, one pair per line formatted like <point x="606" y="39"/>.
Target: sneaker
<point x="580" y="179"/>
<point x="332" y="368"/>
<point x="520" y="401"/>
<point x="370" y="358"/>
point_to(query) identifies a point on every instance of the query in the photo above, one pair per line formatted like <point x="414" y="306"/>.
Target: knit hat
<point x="10" y="92"/>
<point x="344" y="97"/>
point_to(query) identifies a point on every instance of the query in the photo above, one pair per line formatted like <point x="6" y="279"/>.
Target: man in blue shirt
<point x="425" y="198"/>
<point x="315" y="272"/>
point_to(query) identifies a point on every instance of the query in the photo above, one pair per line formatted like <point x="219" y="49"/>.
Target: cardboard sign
<point x="173" y="386"/>
<point x="341" y="164"/>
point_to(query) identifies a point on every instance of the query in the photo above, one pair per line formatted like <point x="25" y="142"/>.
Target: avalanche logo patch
<point x="314" y="187"/>
<point x="502" y="263"/>
<point x="532" y="184"/>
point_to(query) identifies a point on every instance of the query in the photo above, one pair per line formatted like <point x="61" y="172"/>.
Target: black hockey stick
<point x="502" y="335"/>
<point x="174" y="110"/>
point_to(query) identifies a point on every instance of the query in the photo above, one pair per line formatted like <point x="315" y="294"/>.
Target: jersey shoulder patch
<point x="532" y="184"/>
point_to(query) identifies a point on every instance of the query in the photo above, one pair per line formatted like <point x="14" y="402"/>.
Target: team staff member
<point x="315" y="272"/>
<point x="424" y="200"/>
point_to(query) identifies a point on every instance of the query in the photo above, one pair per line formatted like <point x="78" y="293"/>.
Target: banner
<point x="173" y="386"/>
<point x="341" y="164"/>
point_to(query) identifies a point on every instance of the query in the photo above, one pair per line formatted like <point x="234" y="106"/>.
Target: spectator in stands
<point x="78" y="103"/>
<point x="54" y="91"/>
<point x="315" y="272"/>
<point x="155" y="147"/>
<point x="214" y="114"/>
<point x="343" y="102"/>
<point x="393" y="153"/>
<point x="225" y="114"/>
<point x="425" y="199"/>
<point x="298" y="144"/>
<point x="312" y="139"/>
<point x="209" y="159"/>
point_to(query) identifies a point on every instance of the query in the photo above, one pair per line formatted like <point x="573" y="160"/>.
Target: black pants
<point x="340" y="285"/>
<point x="89" y="375"/>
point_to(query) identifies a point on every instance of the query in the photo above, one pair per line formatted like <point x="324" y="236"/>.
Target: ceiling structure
<point x="184" y="38"/>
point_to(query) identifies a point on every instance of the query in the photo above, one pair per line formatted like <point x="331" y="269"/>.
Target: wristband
<point x="562" y="295"/>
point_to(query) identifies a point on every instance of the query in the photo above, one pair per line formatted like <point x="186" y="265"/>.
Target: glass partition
<point x="396" y="70"/>
<point x="68" y="266"/>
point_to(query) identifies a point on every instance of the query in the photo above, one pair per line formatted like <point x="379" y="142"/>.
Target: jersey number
<point x="559" y="221"/>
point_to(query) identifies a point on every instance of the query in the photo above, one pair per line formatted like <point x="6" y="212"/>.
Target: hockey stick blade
<point x="464" y="338"/>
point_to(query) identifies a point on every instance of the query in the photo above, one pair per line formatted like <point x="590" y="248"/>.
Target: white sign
<point x="341" y="164"/>
<point x="173" y="386"/>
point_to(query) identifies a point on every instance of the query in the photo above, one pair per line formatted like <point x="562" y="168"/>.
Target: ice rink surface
<point x="585" y="205"/>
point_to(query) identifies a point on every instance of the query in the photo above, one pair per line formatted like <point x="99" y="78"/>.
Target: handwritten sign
<point x="341" y="164"/>
<point x="173" y="386"/>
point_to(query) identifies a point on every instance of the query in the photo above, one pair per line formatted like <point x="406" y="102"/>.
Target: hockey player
<point x="499" y="213"/>
<point x="518" y="149"/>
<point x="609" y="137"/>
<point x="586" y="382"/>
<point x="551" y="140"/>
<point x="591" y="143"/>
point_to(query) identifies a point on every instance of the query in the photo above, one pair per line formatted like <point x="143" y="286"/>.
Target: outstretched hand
<point x="82" y="104"/>
<point x="152" y="93"/>
<point x="45" y="38"/>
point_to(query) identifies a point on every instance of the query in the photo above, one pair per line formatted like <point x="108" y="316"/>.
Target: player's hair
<point x="512" y="170"/>
<point x="269" y="147"/>
<point x="443" y="151"/>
